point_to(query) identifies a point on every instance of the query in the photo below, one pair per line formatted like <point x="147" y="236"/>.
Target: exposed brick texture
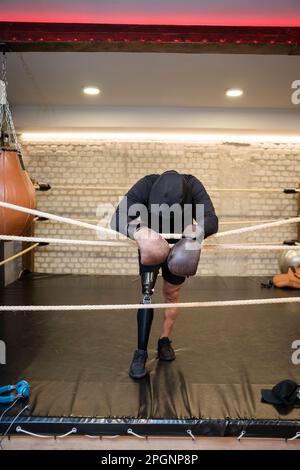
<point x="121" y="164"/>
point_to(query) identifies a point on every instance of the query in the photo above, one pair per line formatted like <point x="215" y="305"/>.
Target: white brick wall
<point x="121" y="164"/>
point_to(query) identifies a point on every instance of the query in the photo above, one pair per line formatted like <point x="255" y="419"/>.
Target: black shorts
<point x="166" y="273"/>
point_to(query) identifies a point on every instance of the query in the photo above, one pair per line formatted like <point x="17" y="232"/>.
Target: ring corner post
<point x="28" y="258"/>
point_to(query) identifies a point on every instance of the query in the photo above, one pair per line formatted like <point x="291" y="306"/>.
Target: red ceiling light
<point x="141" y="14"/>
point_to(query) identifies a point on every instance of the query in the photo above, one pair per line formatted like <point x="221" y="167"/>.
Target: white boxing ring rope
<point x="98" y="228"/>
<point x="221" y="222"/>
<point x="125" y="188"/>
<point x="257" y="227"/>
<point x="58" y="218"/>
<point x="64" y="241"/>
<point x="205" y="247"/>
<point x="206" y="304"/>
<point x="241" y="247"/>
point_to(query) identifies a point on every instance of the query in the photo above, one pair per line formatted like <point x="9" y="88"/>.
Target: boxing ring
<point x="71" y="336"/>
<point x="67" y="338"/>
<point x="77" y="361"/>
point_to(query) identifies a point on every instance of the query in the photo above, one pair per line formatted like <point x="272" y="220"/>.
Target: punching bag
<point x="15" y="188"/>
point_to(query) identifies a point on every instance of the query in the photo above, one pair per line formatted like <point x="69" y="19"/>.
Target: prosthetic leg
<point x="144" y="321"/>
<point x="145" y="316"/>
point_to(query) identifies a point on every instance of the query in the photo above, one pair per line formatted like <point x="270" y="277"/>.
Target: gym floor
<point x="77" y="361"/>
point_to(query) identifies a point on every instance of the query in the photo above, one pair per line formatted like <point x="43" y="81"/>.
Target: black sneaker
<point x="165" y="351"/>
<point x="137" y="368"/>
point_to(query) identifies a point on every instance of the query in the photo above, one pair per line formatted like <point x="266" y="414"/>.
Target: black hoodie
<point x="149" y="190"/>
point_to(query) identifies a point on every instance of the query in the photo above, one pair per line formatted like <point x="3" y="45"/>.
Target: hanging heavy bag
<point x="15" y="188"/>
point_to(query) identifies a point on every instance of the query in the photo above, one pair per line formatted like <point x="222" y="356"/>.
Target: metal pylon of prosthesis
<point x="148" y="280"/>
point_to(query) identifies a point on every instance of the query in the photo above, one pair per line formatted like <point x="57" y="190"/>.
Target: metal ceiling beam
<point x="66" y="37"/>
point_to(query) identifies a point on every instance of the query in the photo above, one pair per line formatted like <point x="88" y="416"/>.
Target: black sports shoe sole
<point x="137" y="376"/>
<point x="164" y="359"/>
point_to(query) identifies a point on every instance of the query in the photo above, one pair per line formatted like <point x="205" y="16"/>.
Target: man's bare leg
<point x="171" y="295"/>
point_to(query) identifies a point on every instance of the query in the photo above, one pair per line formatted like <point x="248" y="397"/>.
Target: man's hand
<point x="154" y="249"/>
<point x="184" y="256"/>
